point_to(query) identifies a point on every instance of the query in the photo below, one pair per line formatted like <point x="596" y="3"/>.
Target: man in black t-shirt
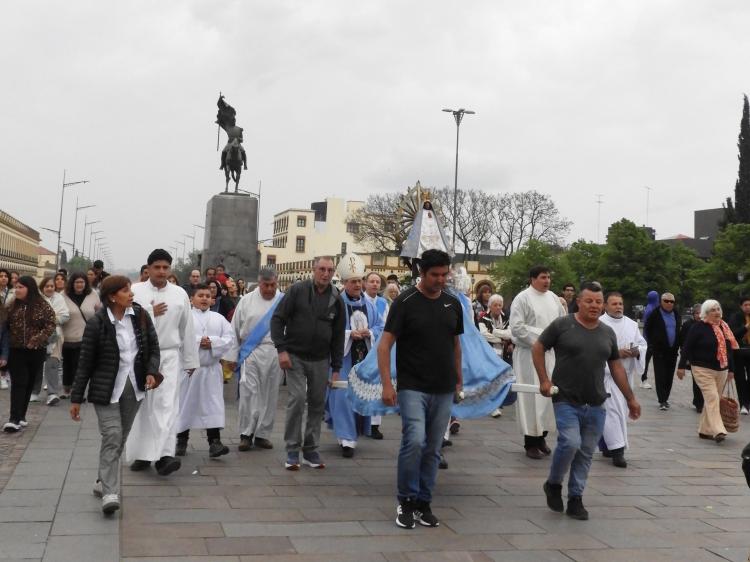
<point x="426" y="323"/>
<point x="582" y="346"/>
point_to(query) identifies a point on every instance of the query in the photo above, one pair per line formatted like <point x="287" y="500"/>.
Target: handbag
<point x="729" y="408"/>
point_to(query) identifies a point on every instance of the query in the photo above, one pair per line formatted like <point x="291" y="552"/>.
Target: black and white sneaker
<point x="405" y="515"/>
<point x="423" y="514"/>
<point x="11" y="427"/>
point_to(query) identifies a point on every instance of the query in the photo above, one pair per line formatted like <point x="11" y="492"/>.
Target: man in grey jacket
<point x="307" y="329"/>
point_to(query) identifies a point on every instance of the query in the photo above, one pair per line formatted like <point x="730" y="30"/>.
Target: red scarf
<point x="723" y="334"/>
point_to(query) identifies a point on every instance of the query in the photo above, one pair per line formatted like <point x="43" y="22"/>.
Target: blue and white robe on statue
<point x="340" y="415"/>
<point x="487" y="378"/>
<point x="382" y="306"/>
<point x="202" y="393"/>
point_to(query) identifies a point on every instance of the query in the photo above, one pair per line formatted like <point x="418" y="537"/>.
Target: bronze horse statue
<point x="233" y="165"/>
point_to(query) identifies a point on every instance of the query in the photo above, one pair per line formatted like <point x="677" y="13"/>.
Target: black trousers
<point x="533" y="441"/>
<point x="23" y="364"/>
<point x="742" y="376"/>
<point x="211" y="434"/>
<point x="649" y="353"/>
<point x="664" y="368"/>
<point x="70" y="364"/>
<point x="697" y="396"/>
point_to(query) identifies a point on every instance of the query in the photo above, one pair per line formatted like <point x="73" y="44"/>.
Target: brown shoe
<point x="534" y="453"/>
<point x="245" y="443"/>
<point x="546" y="450"/>
<point x="720" y="437"/>
<point x="704" y="436"/>
<point x="263" y="443"/>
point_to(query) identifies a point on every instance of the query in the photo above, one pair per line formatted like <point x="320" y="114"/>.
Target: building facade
<point x="18" y="246"/>
<point x="46" y="263"/>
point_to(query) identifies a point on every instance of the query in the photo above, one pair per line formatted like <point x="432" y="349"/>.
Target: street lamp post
<point x="192" y="237"/>
<point x="94" y="250"/>
<point x="59" y="224"/>
<point x="85" y="226"/>
<point x="178" y="242"/>
<point x="91" y="240"/>
<point x="458" y="115"/>
<point x="75" y="223"/>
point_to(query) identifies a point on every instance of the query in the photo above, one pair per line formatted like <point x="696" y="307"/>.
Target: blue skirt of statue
<point x="487" y="378"/>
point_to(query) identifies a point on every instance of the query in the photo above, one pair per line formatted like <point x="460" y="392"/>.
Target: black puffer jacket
<point x="100" y="356"/>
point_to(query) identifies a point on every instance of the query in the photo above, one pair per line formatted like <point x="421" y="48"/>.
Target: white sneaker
<point x="498" y="412"/>
<point x="34" y="398"/>
<point x="52" y="399"/>
<point x="110" y="503"/>
<point x="23" y="423"/>
<point x="743" y="411"/>
<point x="645" y="384"/>
<point x="11" y="427"/>
<point x="98" y="490"/>
<point x="3" y="383"/>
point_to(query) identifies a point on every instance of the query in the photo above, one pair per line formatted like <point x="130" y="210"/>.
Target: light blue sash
<point x="259" y="332"/>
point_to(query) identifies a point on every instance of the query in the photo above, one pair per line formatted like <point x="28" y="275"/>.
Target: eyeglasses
<point x="667" y="301"/>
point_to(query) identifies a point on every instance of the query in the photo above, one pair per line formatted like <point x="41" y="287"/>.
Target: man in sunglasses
<point x="662" y="331"/>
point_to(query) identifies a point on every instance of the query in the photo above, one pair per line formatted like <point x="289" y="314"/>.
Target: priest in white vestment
<point x="153" y="435"/>
<point x="260" y="374"/>
<point x="531" y="312"/>
<point x="632" y="354"/>
<point x="202" y="393"/>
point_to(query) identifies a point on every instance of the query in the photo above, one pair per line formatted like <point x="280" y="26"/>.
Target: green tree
<point x="182" y="269"/>
<point x="684" y="272"/>
<point x="511" y="275"/>
<point x="583" y="260"/>
<point x="739" y="211"/>
<point x="720" y="278"/>
<point x="78" y="263"/>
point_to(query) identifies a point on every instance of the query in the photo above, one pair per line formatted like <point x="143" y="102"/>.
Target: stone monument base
<point x="231" y="237"/>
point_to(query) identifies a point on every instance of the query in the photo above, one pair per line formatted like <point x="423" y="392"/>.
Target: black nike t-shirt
<point x="425" y="330"/>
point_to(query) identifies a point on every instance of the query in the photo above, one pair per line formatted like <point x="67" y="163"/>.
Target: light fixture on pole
<point x="75" y="223"/>
<point x="91" y="241"/>
<point x="59" y="225"/>
<point x="458" y="115"/>
<point x="85" y="226"/>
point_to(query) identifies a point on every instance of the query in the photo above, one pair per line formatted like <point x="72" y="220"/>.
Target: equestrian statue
<point x="233" y="156"/>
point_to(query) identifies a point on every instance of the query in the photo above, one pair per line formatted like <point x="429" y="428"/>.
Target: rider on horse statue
<point x="226" y="119"/>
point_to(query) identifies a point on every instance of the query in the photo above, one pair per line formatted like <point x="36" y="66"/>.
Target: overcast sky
<point x="343" y="99"/>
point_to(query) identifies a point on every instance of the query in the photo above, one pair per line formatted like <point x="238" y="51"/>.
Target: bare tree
<point x="379" y="223"/>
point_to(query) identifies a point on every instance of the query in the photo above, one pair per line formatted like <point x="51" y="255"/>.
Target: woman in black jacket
<point x="119" y="362"/>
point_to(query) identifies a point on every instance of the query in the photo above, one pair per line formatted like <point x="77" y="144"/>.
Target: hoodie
<point x="652" y="303"/>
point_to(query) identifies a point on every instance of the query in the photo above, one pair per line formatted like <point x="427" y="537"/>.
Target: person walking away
<point x="689" y="323"/>
<point x="632" y="350"/>
<point x="652" y="303"/>
<point x="426" y="322"/>
<point x="708" y="348"/>
<point x="31" y="322"/>
<point x="531" y="312"/>
<point x="154" y="436"/>
<point x="739" y="324"/>
<point x="583" y="345"/>
<point x="259" y="371"/>
<point x="662" y="332"/>
<point x="82" y="303"/>
<point x="307" y="329"/>
<point x="51" y="371"/>
<point x="202" y="393"/>
<point x="119" y="362"/>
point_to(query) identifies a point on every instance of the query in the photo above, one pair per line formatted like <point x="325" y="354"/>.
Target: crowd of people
<point x="152" y="358"/>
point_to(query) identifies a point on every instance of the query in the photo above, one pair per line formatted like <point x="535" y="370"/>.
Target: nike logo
<point x="446" y="305"/>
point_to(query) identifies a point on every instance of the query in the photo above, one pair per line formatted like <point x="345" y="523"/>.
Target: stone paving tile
<point x="552" y="540"/>
<point x="85" y="523"/>
<point x="224" y="515"/>
<point x="731" y="554"/>
<point x="99" y="548"/>
<point x="294" y="529"/>
<point x="39" y="513"/>
<point x="249" y="545"/>
<point x="19" y="550"/>
<point x="529" y="556"/>
<point x="650" y="554"/>
<point x="134" y="530"/>
<point x="354" y="545"/>
<point x="446" y="556"/>
<point x="357" y="557"/>
<point x="162" y="546"/>
<point x="182" y="559"/>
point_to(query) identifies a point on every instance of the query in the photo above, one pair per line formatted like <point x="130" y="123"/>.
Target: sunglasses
<point x="667" y="301"/>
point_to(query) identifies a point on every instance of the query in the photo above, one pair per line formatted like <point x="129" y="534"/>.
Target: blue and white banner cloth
<point x="487" y="378"/>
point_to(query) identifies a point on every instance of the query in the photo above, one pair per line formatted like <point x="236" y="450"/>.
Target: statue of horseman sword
<point x="233" y="156"/>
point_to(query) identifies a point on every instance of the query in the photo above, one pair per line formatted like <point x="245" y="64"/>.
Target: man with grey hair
<point x="662" y="331"/>
<point x="260" y="374"/>
<point x="308" y="332"/>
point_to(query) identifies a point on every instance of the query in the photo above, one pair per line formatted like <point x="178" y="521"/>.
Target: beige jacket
<point x="73" y="328"/>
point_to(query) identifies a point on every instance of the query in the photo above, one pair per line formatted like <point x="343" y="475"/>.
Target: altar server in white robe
<point x="153" y="435"/>
<point x="531" y="312"/>
<point x="633" y="355"/>
<point x="260" y="374"/>
<point x="202" y="393"/>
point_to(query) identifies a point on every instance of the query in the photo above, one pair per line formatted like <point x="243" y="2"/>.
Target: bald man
<point x="662" y="331"/>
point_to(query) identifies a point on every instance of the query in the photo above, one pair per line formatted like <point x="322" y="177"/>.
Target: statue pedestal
<point x="231" y="237"/>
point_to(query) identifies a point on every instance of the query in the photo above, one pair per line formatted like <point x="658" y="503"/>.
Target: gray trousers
<point x="115" y="421"/>
<point x="306" y="383"/>
<point x="51" y="374"/>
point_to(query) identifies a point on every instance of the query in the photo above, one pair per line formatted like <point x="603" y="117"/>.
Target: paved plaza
<point x="680" y="499"/>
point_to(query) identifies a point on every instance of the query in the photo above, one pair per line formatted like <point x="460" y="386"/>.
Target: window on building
<point x="301" y="221"/>
<point x="270" y="260"/>
<point x="343" y="248"/>
<point x="378" y="259"/>
<point x="352" y="227"/>
<point x="300" y="246"/>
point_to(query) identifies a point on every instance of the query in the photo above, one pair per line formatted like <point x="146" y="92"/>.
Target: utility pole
<point x="599" y="201"/>
<point x="648" y="197"/>
<point x="458" y="115"/>
<point x="59" y="224"/>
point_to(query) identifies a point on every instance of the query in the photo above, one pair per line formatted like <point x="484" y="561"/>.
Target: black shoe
<point x="262" y="443"/>
<point x="534" y="453"/>
<point x="405" y="515"/>
<point x="375" y="432"/>
<point x="576" y="509"/>
<point x="347" y="452"/>
<point x="443" y="464"/>
<point x="423" y="514"/>
<point x="554" y="496"/>
<point x="217" y="448"/>
<point x="607" y="454"/>
<point x="246" y="443"/>
<point x="454" y="427"/>
<point x="181" y="449"/>
<point x="137" y="466"/>
<point x="619" y="461"/>
<point x="546" y="451"/>
<point x="447" y="443"/>
<point x="167" y="465"/>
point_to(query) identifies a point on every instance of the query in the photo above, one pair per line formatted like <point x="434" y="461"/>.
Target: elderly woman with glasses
<point x="708" y="348"/>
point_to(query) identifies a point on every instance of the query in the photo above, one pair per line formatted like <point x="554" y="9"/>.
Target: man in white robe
<point x="202" y="393"/>
<point x="531" y="312"/>
<point x="260" y="374"/>
<point x="153" y="435"/>
<point x="632" y="355"/>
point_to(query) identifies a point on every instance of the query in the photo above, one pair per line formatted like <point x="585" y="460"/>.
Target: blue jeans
<point x="424" y="418"/>
<point x="579" y="429"/>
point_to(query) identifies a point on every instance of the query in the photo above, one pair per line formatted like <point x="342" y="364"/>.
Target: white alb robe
<point x="154" y="434"/>
<point x="260" y="374"/>
<point x="616" y="423"/>
<point x="530" y="313"/>
<point x="202" y="393"/>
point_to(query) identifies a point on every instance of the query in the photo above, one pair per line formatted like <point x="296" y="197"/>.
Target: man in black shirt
<point x="426" y="323"/>
<point x="582" y="345"/>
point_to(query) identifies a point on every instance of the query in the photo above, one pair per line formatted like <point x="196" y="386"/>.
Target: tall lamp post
<point x="75" y="223"/>
<point x="192" y="237"/>
<point x="178" y="242"/>
<point x="458" y="115"/>
<point x="85" y="226"/>
<point x="59" y="224"/>
<point x="92" y="232"/>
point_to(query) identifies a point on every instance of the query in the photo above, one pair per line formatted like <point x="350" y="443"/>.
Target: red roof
<point x="42" y="251"/>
